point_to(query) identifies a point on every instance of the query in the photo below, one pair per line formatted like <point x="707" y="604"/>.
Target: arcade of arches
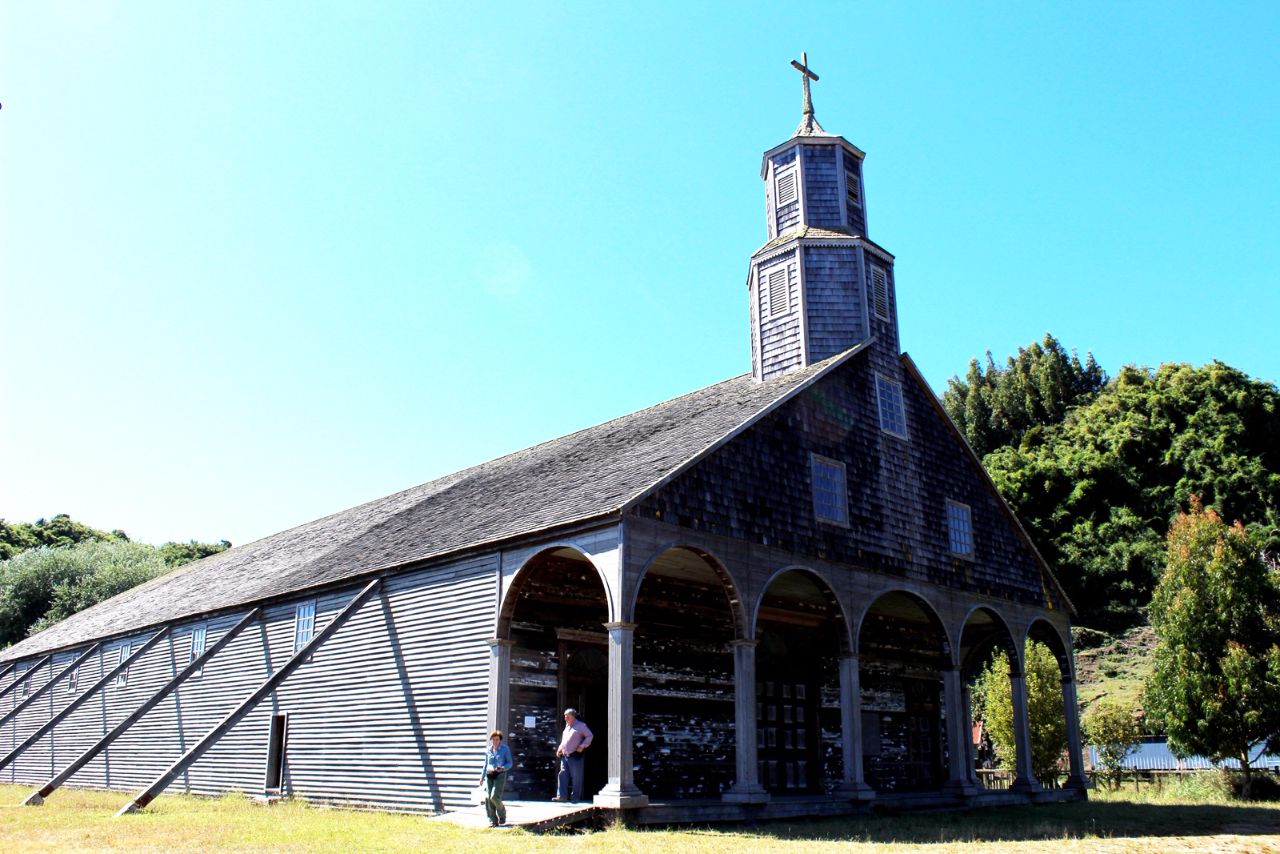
<point x="845" y="696"/>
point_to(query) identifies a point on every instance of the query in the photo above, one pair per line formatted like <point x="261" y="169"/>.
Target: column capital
<point x="620" y="626"/>
<point x="747" y="642"/>
<point x="494" y="643"/>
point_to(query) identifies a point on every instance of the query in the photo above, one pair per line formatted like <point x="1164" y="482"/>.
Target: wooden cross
<point x="805" y="75"/>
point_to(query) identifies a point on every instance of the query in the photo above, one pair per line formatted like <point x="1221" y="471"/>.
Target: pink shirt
<point x="575" y="735"/>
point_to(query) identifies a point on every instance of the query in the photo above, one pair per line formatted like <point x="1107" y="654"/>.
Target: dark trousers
<point x="493" y="786"/>
<point x="571" y="769"/>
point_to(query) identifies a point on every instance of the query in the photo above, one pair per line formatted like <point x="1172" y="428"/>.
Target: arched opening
<point x="686" y="614"/>
<point x="902" y="651"/>
<point x="554" y="615"/>
<point x="1046" y="668"/>
<point x="982" y="640"/>
<point x="802" y="633"/>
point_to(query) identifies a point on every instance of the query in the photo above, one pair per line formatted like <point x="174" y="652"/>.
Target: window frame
<point x="779" y="173"/>
<point x="966" y="533"/>
<point x="764" y="289"/>
<point x="193" y="651"/>
<point x="842" y="495"/>
<point x="883" y="382"/>
<point x="122" y="655"/>
<point x="303" y="611"/>
<point x="853" y="182"/>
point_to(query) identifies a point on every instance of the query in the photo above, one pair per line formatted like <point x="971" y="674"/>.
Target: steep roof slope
<point x="578" y="477"/>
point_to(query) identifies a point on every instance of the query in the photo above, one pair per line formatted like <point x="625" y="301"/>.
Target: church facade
<point x="769" y="595"/>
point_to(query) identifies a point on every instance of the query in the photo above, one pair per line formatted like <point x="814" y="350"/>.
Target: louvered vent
<point x="880" y="292"/>
<point x="854" y="189"/>
<point x="787" y="187"/>
<point x="779" y="291"/>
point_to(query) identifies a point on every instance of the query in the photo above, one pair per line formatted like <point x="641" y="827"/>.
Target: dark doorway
<point x="584" y="685"/>
<point x="555" y="618"/>
<point x="277" y="739"/>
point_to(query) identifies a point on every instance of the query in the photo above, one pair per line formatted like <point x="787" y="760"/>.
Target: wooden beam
<point x="25" y="676"/>
<point x="37" y="797"/>
<point x="80" y="699"/>
<point x="48" y="686"/>
<point x="162" y="782"/>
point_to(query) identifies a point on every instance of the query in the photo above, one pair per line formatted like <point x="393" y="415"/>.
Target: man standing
<point x="575" y="739"/>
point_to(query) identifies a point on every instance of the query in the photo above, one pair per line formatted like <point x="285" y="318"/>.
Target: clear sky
<point x="260" y="262"/>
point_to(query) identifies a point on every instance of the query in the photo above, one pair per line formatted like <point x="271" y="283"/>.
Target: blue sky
<point x="262" y="262"/>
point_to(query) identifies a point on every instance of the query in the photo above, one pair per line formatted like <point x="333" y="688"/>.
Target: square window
<point x="893" y="418"/>
<point x="960" y="528"/>
<point x="830" y="490"/>
<point x="304" y="624"/>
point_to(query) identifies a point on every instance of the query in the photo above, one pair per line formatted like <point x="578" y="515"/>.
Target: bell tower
<point x="819" y="285"/>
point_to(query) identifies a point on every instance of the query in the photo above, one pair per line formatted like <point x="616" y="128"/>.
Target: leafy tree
<point x="997" y="406"/>
<point x="41" y="586"/>
<point x="1045" y="713"/>
<point x="1114" y="732"/>
<point x="176" y="554"/>
<point x="1097" y="490"/>
<point x="61" y="530"/>
<point x="1216" y="612"/>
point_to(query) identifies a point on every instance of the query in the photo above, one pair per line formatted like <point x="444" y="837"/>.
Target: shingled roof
<point x="585" y="475"/>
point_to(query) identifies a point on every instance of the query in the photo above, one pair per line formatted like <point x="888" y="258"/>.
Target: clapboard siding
<point x="389" y="711"/>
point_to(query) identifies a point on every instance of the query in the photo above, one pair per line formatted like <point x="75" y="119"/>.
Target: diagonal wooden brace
<point x="158" y="785"/>
<point x="5" y="672"/>
<point x="37" y="797"/>
<point x="48" y="686"/>
<point x="25" y="676"/>
<point x="80" y="700"/>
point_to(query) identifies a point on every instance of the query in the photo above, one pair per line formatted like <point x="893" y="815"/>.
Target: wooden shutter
<point x="787" y="187"/>
<point x="880" y="292"/>
<point x="854" y="189"/>
<point x="779" y="286"/>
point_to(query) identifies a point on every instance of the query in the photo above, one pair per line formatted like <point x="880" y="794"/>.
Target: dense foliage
<point x="1215" y="684"/>
<point x="1096" y="472"/>
<point x="58" y="566"/>
<point x="993" y="700"/>
<point x="1114" y="731"/>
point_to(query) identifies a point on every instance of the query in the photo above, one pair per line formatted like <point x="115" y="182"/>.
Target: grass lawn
<point x="79" y="820"/>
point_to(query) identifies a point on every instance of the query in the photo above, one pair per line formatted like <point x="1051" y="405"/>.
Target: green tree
<point x="1114" y="732"/>
<point x="176" y="554"/>
<point x="997" y="406"/>
<point x="1045" y="714"/>
<point x="61" y="530"/>
<point x="41" y="586"/>
<point x="1215" y="684"/>
<point x="1097" y="490"/>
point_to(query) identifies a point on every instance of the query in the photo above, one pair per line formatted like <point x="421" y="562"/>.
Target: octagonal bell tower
<point x="819" y="285"/>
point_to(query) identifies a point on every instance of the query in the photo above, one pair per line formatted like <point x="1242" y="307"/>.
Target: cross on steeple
<point x="808" y="124"/>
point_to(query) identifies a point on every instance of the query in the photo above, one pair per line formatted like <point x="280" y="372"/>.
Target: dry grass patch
<point x="80" y="820"/>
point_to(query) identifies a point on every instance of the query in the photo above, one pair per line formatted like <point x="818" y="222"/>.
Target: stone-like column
<point x="958" y="735"/>
<point x="746" y="787"/>
<point x="966" y="710"/>
<point x="498" y="715"/>
<point x="855" y="784"/>
<point x="1071" y="706"/>
<point x="1025" y="779"/>
<point x="620" y="791"/>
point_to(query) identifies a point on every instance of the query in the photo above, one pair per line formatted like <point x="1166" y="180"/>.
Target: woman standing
<point x="497" y="761"/>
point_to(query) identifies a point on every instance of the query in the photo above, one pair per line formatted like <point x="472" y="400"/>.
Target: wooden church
<point x="766" y="597"/>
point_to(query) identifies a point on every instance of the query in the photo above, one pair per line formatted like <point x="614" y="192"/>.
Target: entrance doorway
<point x="584" y="685"/>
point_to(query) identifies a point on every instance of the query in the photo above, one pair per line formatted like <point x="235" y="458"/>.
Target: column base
<point x="960" y="788"/>
<point x="1080" y="783"/>
<point x="752" y="793"/>
<point x="616" y="797"/>
<point x="1025" y="784"/>
<point x="856" y="792"/>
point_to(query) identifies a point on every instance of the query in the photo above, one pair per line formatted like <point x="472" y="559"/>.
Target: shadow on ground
<point x="1029" y="823"/>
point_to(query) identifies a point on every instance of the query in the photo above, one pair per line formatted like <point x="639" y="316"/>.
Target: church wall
<point x="823" y="193"/>
<point x="780" y="344"/>
<point x="834" y="306"/>
<point x="757" y="489"/>
<point x="886" y="331"/>
<point x="389" y="711"/>
<point x="786" y="217"/>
